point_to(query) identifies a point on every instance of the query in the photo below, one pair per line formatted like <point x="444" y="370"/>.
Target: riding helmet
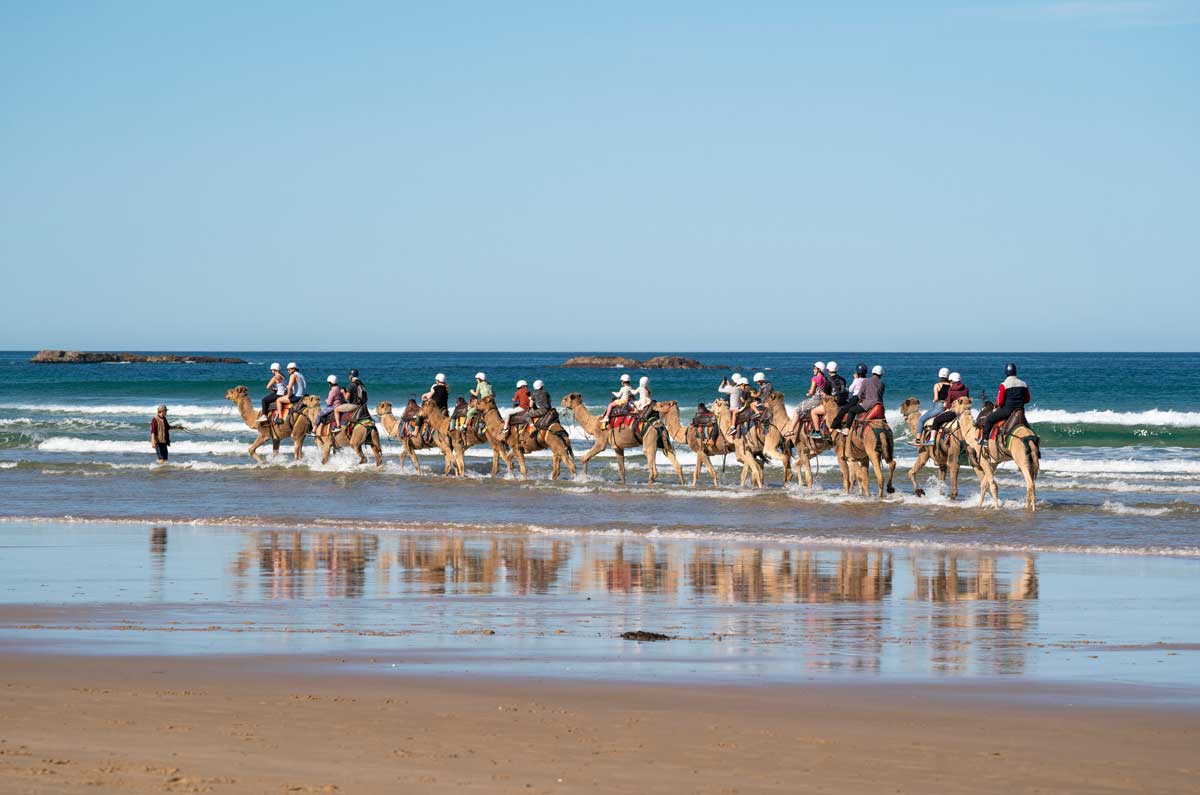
<point x="1010" y="369"/>
<point x="861" y="371"/>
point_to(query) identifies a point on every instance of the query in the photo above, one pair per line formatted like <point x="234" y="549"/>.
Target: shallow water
<point x="429" y="600"/>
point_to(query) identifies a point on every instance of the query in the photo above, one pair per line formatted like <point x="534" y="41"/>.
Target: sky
<point x="600" y="176"/>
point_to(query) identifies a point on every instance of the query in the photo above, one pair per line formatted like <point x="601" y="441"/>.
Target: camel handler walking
<point x="160" y="433"/>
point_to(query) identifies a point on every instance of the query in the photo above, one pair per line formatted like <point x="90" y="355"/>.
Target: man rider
<point x="482" y="390"/>
<point x="1013" y="395"/>
<point x="439" y="393"/>
<point x="540" y="398"/>
<point x="297" y="390"/>
<point x="765" y="387"/>
<point x="356" y="398"/>
<point x="956" y="390"/>
<point x="521" y="402"/>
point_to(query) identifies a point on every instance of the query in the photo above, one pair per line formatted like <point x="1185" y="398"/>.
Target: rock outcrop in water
<point x="655" y="363"/>
<point x="96" y="357"/>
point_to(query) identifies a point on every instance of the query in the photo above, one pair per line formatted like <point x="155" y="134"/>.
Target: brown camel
<point x="945" y="449"/>
<point x="296" y="426"/>
<point x="521" y="441"/>
<point x="653" y="437"/>
<point x="703" y="448"/>
<point x="480" y="433"/>
<point x="806" y="447"/>
<point x="743" y="451"/>
<point x="363" y="432"/>
<point x="1023" y="448"/>
<point x="409" y="444"/>
<point x="867" y="444"/>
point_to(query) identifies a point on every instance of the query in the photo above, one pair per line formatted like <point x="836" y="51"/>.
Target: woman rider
<point x="277" y="387"/>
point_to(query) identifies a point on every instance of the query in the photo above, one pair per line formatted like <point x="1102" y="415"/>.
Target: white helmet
<point x="538" y="384"/>
<point x="521" y="383"/>
<point x="831" y="367"/>
<point x="643" y="380"/>
<point x="481" y="376"/>
<point x="956" y="378"/>
<point x="759" y="377"/>
<point x="331" y="379"/>
<point x="440" y="378"/>
<point x="743" y="380"/>
<point x="877" y="370"/>
<point x="624" y="377"/>
<point x="736" y="378"/>
<point x="293" y="366"/>
<point x="945" y="371"/>
<point x="819" y="365"/>
<point x="275" y="366"/>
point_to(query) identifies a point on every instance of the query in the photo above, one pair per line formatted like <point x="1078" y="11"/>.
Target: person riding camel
<point x="956" y="390"/>
<point x="297" y="390"/>
<point x="622" y="396"/>
<point x="870" y="395"/>
<point x="335" y="398"/>
<point x="763" y="387"/>
<point x="356" y="398"/>
<point x="644" y="397"/>
<point x="1012" y="395"/>
<point x="277" y="387"/>
<point x="439" y="393"/>
<point x="481" y="391"/>
<point x="835" y="386"/>
<point x="733" y="386"/>
<point x="818" y="387"/>
<point x="520" y="402"/>
<point x="938" y="405"/>
<point x="542" y="404"/>
<point x="852" y="399"/>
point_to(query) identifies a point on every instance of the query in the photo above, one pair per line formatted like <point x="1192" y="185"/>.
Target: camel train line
<point x="766" y="433"/>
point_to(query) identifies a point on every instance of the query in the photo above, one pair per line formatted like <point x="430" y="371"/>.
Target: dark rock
<point x="655" y="363"/>
<point x="643" y="635"/>
<point x="94" y="357"/>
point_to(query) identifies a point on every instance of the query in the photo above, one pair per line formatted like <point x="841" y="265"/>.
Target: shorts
<point x="161" y="449"/>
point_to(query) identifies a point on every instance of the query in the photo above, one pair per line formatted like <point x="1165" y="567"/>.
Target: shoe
<point x="816" y="435"/>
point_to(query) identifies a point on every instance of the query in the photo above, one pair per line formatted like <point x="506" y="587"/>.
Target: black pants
<point x="995" y="417"/>
<point x="161" y="449"/>
<point x="942" y="419"/>
<point x="851" y="404"/>
<point x="267" y="403"/>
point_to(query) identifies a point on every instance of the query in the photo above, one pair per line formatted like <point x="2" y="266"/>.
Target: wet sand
<point x="257" y="724"/>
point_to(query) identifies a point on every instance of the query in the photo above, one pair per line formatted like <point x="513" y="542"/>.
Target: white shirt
<point x="735" y="396"/>
<point x="624" y="393"/>
<point x="856" y="385"/>
<point x="644" y="399"/>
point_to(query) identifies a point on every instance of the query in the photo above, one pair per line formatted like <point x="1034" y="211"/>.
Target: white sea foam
<point x="1112" y="506"/>
<point x="1162" y="417"/>
<point x="71" y="444"/>
<point x="1123" y="466"/>
<point x="176" y="410"/>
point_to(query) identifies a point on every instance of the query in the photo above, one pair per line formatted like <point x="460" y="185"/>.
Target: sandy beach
<point x="141" y="725"/>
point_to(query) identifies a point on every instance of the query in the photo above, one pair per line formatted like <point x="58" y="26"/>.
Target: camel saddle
<point x="704" y="419"/>
<point x="545" y="420"/>
<point x="1006" y="428"/>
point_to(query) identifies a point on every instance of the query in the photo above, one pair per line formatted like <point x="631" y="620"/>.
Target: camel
<point x="297" y="425"/>
<point x="622" y="439"/>
<point x="409" y="445"/>
<point x="462" y="440"/>
<point x="703" y="448"/>
<point x="945" y="449"/>
<point x="746" y="453"/>
<point x="869" y="444"/>
<point x="805" y="446"/>
<point x="520" y="441"/>
<point x="991" y="454"/>
<point x="364" y="432"/>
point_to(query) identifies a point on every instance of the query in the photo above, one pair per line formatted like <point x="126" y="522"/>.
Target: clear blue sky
<point x="600" y="176"/>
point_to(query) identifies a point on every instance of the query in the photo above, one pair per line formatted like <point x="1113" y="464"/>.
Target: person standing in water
<point x="160" y="434"/>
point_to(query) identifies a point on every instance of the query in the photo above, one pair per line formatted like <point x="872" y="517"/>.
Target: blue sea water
<point x="1121" y="470"/>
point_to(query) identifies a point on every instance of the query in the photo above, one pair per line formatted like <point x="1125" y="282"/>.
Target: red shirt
<point x="521" y="398"/>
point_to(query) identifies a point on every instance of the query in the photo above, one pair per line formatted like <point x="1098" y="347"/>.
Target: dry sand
<point x="237" y="724"/>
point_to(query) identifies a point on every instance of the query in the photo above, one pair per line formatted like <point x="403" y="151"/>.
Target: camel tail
<point x="1035" y="456"/>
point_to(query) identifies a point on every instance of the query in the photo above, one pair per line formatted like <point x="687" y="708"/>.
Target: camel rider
<point x="764" y="387"/>
<point x="644" y="398"/>
<point x="439" y="393"/>
<point x="938" y="405"/>
<point x="872" y="391"/>
<point x="737" y="394"/>
<point x="956" y="390"/>
<point x="1013" y="395"/>
<point x="835" y="386"/>
<point x="818" y="387"/>
<point x="520" y="402"/>
<point x="542" y="404"/>
<point x="297" y="390"/>
<point x="855" y="406"/>
<point x="335" y="398"/>
<point x="277" y="387"/>
<point x="356" y="398"/>
<point x="622" y="396"/>
<point x="481" y="391"/>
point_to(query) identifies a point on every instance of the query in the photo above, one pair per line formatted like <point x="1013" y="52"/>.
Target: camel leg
<point x="326" y="451"/>
<point x="891" y="475"/>
<point x="520" y="454"/>
<point x="1030" y="487"/>
<point x="569" y="455"/>
<point x="412" y="453"/>
<point x="650" y="448"/>
<point x="621" y="462"/>
<point x="669" y="452"/>
<point x="922" y="457"/>
<point x="377" y="447"/>
<point x="597" y="447"/>
<point x="254" y="448"/>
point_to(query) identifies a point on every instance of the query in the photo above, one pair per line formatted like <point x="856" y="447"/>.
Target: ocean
<point x="1120" y="473"/>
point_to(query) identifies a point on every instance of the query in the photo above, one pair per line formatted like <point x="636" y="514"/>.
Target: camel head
<point x="960" y="405"/>
<point x="237" y="393"/>
<point x="719" y="406"/>
<point x="572" y="400"/>
<point x="384" y="407"/>
<point x="910" y="406"/>
<point x="772" y="400"/>
<point x="666" y="406"/>
<point x="311" y="403"/>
